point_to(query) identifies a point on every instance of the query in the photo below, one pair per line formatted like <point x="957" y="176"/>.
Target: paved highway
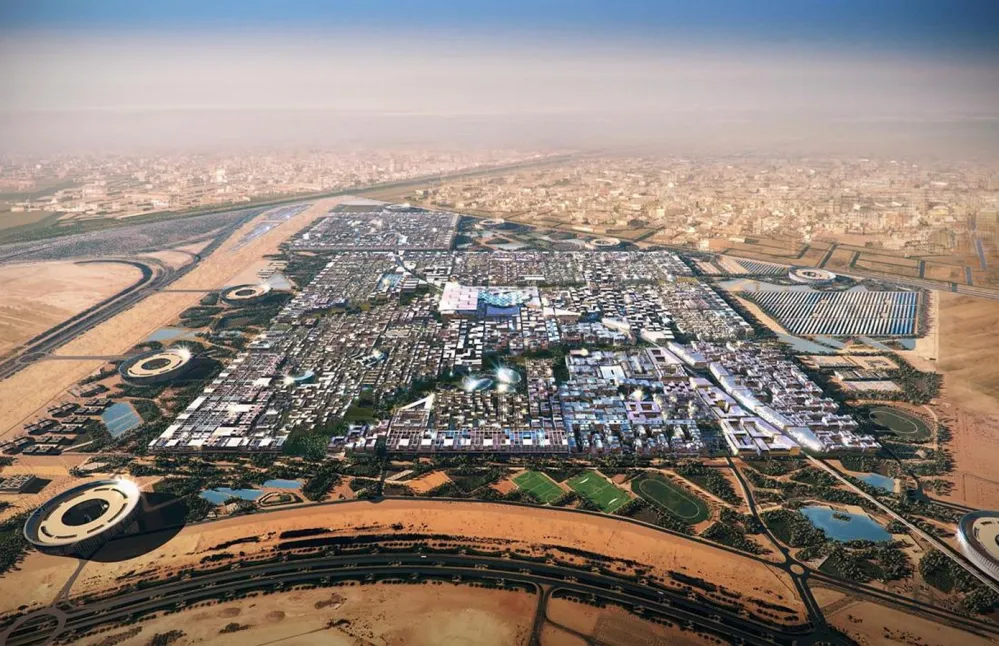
<point x="82" y="615"/>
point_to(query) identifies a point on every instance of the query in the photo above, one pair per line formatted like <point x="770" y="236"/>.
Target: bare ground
<point x="40" y="295"/>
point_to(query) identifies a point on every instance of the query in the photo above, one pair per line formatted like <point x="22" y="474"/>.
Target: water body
<point x="874" y="344"/>
<point x="829" y="341"/>
<point x="120" y="418"/>
<point x="171" y="334"/>
<point x="858" y="527"/>
<point x="804" y="345"/>
<point x="877" y="480"/>
<point x="219" y="495"/>
<point x="278" y="483"/>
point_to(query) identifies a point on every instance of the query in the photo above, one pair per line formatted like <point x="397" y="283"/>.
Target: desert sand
<point x="528" y="527"/>
<point x="24" y="394"/>
<point x="869" y="623"/>
<point x="613" y="625"/>
<point x="425" y="615"/>
<point x="969" y="406"/>
<point x="37" y="296"/>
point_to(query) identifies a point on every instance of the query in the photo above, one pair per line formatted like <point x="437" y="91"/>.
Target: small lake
<point x="877" y="480"/>
<point x="120" y="418"/>
<point x="804" y="345"/>
<point x="219" y="495"/>
<point x="278" y="483"/>
<point x="171" y="334"/>
<point x="279" y="282"/>
<point x="877" y="345"/>
<point x="858" y="527"/>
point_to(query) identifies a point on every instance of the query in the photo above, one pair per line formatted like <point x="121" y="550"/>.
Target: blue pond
<point x="119" y="418"/>
<point x="859" y="527"/>
<point x="278" y="281"/>
<point x="804" y="345"/>
<point x="278" y="483"/>
<point x="171" y="334"/>
<point x="219" y="495"/>
<point x="877" y="480"/>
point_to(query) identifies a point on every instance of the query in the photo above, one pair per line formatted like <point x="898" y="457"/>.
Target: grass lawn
<point x="904" y="425"/>
<point x="599" y="491"/>
<point x="672" y="498"/>
<point x="539" y="485"/>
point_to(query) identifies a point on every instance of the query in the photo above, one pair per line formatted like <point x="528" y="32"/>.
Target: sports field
<point x="904" y="425"/>
<point x="671" y="497"/>
<point x="539" y="485"/>
<point x="599" y="491"/>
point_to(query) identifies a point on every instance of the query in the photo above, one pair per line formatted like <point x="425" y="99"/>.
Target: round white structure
<point x="605" y="242"/>
<point x="243" y="294"/>
<point x="80" y="520"/>
<point x="978" y="536"/>
<point x="492" y="222"/>
<point x="811" y="276"/>
<point x="156" y="367"/>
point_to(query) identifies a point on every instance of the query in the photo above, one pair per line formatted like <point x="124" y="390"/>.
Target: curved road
<point x="83" y="615"/>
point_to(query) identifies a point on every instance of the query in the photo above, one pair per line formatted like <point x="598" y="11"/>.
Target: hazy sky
<point x="116" y="74"/>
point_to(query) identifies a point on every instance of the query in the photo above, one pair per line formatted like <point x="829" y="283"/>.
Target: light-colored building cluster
<point x="377" y="227"/>
<point x="930" y="206"/>
<point x="766" y="404"/>
<point x="121" y="186"/>
<point x="379" y="330"/>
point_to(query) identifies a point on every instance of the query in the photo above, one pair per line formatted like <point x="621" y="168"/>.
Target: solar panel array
<point x="758" y="267"/>
<point x="843" y="313"/>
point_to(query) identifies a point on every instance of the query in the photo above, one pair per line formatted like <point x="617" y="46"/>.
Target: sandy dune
<point x="37" y="296"/>
<point x="969" y="361"/>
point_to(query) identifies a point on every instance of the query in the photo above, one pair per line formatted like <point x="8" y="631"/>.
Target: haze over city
<point x="534" y="323"/>
<point x="722" y="76"/>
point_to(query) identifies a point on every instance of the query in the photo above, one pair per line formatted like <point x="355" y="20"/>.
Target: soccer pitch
<point x="672" y="498"/>
<point x="599" y="491"/>
<point x="539" y="485"/>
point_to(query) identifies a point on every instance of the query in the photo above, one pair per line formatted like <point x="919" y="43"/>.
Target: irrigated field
<point x="599" y="491"/>
<point x="539" y="485"/>
<point x="671" y="497"/>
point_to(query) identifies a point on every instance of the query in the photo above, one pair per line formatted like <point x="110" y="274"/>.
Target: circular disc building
<point x="156" y="367"/>
<point x="245" y="294"/>
<point x="978" y="536"/>
<point x="811" y="276"/>
<point x="83" y="518"/>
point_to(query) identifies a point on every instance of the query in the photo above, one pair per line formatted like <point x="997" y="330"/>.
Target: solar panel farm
<point x="842" y="313"/>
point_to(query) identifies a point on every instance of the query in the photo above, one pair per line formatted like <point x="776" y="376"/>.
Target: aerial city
<point x="543" y="331"/>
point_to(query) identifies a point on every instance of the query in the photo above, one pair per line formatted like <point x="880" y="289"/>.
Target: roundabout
<point x="811" y="276"/>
